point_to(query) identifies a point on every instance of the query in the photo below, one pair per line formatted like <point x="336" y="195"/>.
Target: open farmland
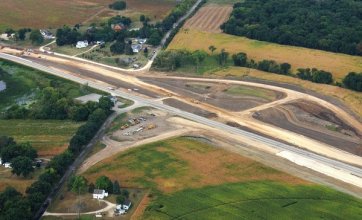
<point x="255" y="200"/>
<point x="298" y="57"/>
<point x="209" y="18"/>
<point x="47" y="13"/>
<point x="191" y="179"/>
<point x="48" y="137"/>
<point x="181" y="163"/>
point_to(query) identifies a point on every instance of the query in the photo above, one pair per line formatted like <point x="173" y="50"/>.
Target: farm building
<point x="99" y="194"/>
<point x="7" y="165"/>
<point x="82" y="44"/>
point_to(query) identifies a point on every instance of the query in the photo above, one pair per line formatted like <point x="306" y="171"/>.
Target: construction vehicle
<point x="151" y="126"/>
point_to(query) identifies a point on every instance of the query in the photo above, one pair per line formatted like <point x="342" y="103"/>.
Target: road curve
<point x="354" y="172"/>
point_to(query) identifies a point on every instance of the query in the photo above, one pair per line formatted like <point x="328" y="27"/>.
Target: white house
<point x="82" y="44"/>
<point x="126" y="205"/>
<point x="136" y="48"/>
<point x="6" y="37"/>
<point x="99" y="194"/>
<point x="142" y="41"/>
<point x="47" y="34"/>
<point x="7" y="165"/>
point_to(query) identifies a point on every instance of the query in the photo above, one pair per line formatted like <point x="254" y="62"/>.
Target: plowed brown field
<point x="209" y="18"/>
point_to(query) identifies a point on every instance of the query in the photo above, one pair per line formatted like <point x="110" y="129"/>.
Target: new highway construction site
<point x="296" y="132"/>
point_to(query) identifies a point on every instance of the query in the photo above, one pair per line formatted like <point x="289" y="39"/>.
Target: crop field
<point x="47" y="13"/>
<point x="52" y="14"/>
<point x="339" y="64"/>
<point x="209" y="18"/>
<point x="255" y="200"/>
<point x="190" y="179"/>
<point x="180" y="163"/>
<point x="49" y="137"/>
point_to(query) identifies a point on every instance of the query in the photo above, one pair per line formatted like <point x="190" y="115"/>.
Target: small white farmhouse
<point x="7" y="165"/>
<point x="99" y="194"/>
<point x="82" y="44"/>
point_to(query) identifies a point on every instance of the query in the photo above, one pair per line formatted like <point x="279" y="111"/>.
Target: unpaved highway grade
<point x="343" y="171"/>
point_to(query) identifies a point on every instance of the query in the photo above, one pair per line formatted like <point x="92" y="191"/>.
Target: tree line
<point x="327" y="25"/>
<point x="25" y="207"/>
<point x="171" y="60"/>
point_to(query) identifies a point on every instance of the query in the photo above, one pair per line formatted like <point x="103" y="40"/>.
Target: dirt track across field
<point x="209" y="18"/>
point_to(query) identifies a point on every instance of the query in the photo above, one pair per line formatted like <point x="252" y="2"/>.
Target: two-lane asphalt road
<point x="350" y="173"/>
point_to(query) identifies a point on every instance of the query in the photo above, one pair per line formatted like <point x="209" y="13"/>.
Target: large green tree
<point x="105" y="183"/>
<point x="22" y="166"/>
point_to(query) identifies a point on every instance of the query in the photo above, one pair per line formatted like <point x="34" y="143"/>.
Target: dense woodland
<point x="332" y="25"/>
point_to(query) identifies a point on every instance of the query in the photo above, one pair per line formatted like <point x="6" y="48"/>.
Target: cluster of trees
<point x="118" y="5"/>
<point x="35" y="35"/>
<point x="79" y="184"/>
<point x="54" y="104"/>
<point x="315" y="75"/>
<point x="40" y="189"/>
<point x="328" y="25"/>
<point x="13" y="205"/>
<point x="241" y="59"/>
<point x="170" y="60"/>
<point x="21" y="156"/>
<point x="353" y="81"/>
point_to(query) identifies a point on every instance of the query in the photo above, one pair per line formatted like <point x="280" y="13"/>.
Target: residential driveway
<point x="108" y="209"/>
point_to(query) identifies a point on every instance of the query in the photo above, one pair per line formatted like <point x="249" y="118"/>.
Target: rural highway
<point x="355" y="173"/>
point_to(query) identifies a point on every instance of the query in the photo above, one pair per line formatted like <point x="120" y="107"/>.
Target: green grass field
<point x="249" y="91"/>
<point x="49" y="137"/>
<point x="255" y="200"/>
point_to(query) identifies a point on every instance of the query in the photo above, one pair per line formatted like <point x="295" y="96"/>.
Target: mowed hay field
<point x="47" y="13"/>
<point x="338" y="64"/>
<point x="190" y="179"/>
<point x="49" y="137"/>
<point x="209" y="18"/>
